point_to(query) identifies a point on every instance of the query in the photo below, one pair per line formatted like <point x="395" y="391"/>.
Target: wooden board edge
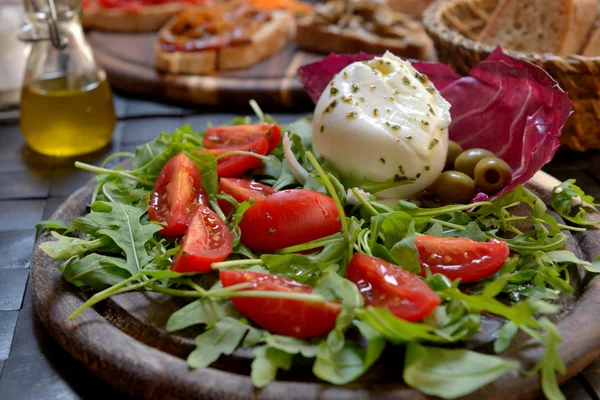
<point x="144" y="372"/>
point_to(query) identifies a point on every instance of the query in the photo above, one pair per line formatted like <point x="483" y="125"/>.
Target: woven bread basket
<point x="455" y="24"/>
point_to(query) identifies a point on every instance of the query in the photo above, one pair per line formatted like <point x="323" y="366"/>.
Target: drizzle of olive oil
<point x="59" y="121"/>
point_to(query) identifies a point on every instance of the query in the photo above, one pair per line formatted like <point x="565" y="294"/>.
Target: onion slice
<point x="298" y="170"/>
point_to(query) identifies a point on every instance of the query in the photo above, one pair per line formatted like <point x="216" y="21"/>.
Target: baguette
<point x="266" y="41"/>
<point x="542" y="26"/>
<point x="148" y="19"/>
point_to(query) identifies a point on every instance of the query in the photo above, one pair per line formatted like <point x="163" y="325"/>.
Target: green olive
<point x="454" y="150"/>
<point x="492" y="174"/>
<point x="468" y="159"/>
<point x="454" y="187"/>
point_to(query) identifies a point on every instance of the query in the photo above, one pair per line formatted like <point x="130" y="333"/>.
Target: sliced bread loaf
<point x="541" y="26"/>
<point x="592" y="46"/>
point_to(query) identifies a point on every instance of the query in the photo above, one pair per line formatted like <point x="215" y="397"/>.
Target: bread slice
<point x="374" y="28"/>
<point x="541" y="26"/>
<point x="414" y="8"/>
<point x="268" y="40"/>
<point x="592" y="45"/>
<point x="147" y="19"/>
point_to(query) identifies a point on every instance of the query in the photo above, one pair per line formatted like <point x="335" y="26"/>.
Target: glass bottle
<point x="66" y="102"/>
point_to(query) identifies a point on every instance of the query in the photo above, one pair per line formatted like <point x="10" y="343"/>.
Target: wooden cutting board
<point x="123" y="340"/>
<point x="128" y="60"/>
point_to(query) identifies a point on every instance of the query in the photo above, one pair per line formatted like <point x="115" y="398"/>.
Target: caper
<point x="492" y="174"/>
<point x="454" y="187"/>
<point x="454" y="150"/>
<point x="468" y="159"/>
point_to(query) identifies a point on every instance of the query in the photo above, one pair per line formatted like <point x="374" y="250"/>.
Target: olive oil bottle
<point x="64" y="122"/>
<point x="66" y="102"/>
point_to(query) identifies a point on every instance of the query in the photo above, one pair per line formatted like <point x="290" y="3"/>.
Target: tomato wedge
<point x="298" y="318"/>
<point x="236" y="165"/>
<point x="242" y="190"/>
<point x="461" y="257"/>
<point x="288" y="218"/>
<point x="237" y="135"/>
<point x="207" y="240"/>
<point x="177" y="192"/>
<point x="385" y="285"/>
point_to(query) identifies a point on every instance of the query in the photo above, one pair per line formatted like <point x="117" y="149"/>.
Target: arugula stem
<point x="106" y="293"/>
<point x="309" y="246"/>
<point x="331" y="191"/>
<point x="235" y="263"/>
<point x="227" y="290"/>
<point x="115" y="155"/>
<point x="449" y="224"/>
<point x="123" y="174"/>
<point x="259" y="113"/>
<point x="364" y="202"/>
<point x="178" y="292"/>
<point x="196" y="287"/>
<point x="431" y="212"/>
<point x="248" y="153"/>
<point x="106" y="194"/>
<point x="571" y="228"/>
<point x="215" y="206"/>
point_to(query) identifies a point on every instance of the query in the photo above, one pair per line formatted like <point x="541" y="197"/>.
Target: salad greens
<point x="115" y="249"/>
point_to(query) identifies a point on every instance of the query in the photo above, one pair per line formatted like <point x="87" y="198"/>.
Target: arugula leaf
<point x="67" y="246"/>
<point x="520" y="313"/>
<point x="121" y="223"/>
<point x="223" y="338"/>
<point x="120" y="192"/>
<point x="306" y="268"/>
<point x="351" y="361"/>
<point x="563" y="201"/>
<point x="394" y="329"/>
<point x="550" y="362"/>
<point x="267" y="361"/>
<point x="54" y="225"/>
<point x="291" y="345"/>
<point x="454" y="322"/>
<point x="95" y="270"/>
<point x="315" y="183"/>
<point x="567" y="257"/>
<point x="207" y="164"/>
<point x="152" y="156"/>
<point x="451" y="373"/>
<point x="285" y="179"/>
<point x="505" y="336"/>
<point x="398" y="230"/>
<point x="334" y="287"/>
<point x="202" y="311"/>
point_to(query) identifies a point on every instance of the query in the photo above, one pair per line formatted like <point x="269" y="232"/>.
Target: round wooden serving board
<point x="128" y="60"/>
<point x="123" y="339"/>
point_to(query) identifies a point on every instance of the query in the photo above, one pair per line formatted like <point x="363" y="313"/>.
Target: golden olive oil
<point x="59" y="121"/>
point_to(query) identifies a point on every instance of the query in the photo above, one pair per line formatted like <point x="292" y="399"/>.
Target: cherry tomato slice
<point x="297" y="318"/>
<point x="239" y="135"/>
<point x="385" y="285"/>
<point x="236" y="165"/>
<point x="461" y="257"/>
<point x="177" y="192"/>
<point x="288" y="218"/>
<point x="242" y="190"/>
<point x="207" y="240"/>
